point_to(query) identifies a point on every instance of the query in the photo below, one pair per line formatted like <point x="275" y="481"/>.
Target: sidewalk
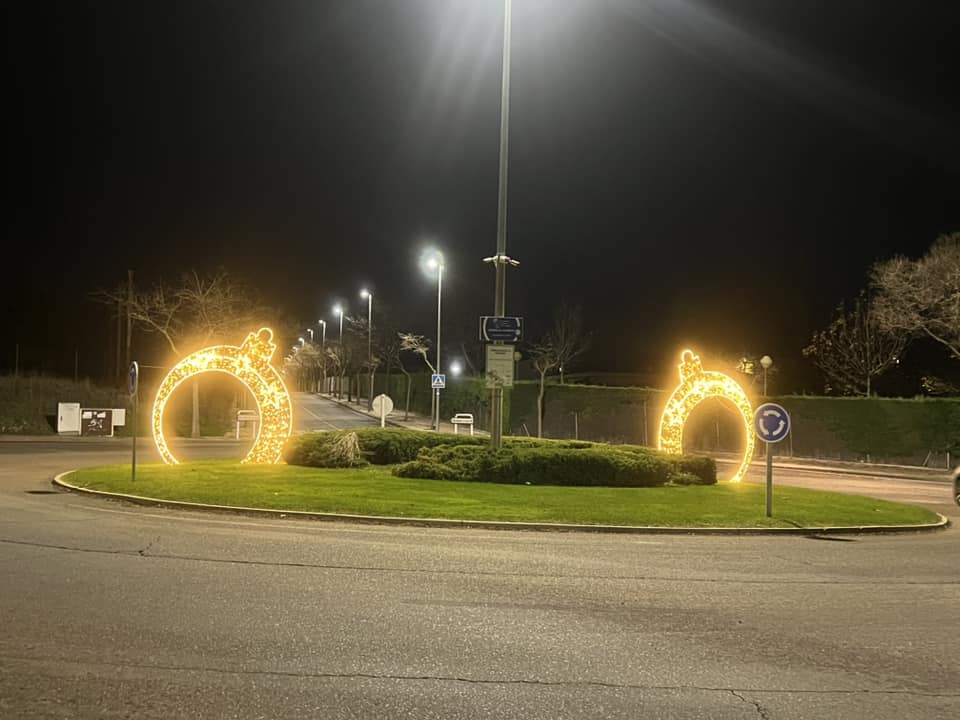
<point x="415" y="421"/>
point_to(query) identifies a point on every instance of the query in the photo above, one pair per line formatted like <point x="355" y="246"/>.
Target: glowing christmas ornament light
<point x="250" y="364"/>
<point x="697" y="385"/>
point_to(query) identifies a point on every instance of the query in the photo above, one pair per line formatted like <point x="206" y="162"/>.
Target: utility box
<point x="68" y="418"/>
<point x="96" y="422"/>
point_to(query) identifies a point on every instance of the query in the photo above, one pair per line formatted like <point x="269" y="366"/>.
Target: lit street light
<point x="368" y="296"/>
<point x="435" y="262"/>
<point x="766" y="362"/>
<point x="302" y="342"/>
<point x="338" y="310"/>
<point x="310" y="330"/>
<point x="456" y="368"/>
<point x="323" y="333"/>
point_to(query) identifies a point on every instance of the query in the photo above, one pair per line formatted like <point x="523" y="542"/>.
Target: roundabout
<point x="119" y="609"/>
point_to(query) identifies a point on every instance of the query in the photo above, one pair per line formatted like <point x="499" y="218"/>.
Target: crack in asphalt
<point x="736" y="692"/>
<point x="761" y="711"/>
<point x="490" y="573"/>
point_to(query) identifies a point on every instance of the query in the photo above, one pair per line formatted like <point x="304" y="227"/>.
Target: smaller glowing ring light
<point x="250" y="364"/>
<point x="697" y="385"/>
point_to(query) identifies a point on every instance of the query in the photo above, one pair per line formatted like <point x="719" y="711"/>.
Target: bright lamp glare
<point x="455" y="368"/>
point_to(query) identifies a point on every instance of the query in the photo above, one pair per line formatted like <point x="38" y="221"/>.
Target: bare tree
<point x="392" y="348"/>
<point x="922" y="297"/>
<point x="419" y="345"/>
<point x="568" y="338"/>
<point x="198" y="310"/>
<point x="854" y="349"/>
<point x="545" y="358"/>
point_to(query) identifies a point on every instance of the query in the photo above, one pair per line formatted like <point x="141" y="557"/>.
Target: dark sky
<point x="690" y="171"/>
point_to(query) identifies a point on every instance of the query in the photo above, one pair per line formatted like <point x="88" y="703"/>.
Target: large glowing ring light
<point x="250" y="364"/>
<point x="697" y="385"/>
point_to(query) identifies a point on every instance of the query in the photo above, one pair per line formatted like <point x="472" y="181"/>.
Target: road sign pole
<point x="769" y="480"/>
<point x="133" y="385"/>
<point x="133" y="453"/>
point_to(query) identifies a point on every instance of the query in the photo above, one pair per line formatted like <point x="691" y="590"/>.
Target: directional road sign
<point x="501" y="329"/>
<point x="771" y="422"/>
<point x="438" y="381"/>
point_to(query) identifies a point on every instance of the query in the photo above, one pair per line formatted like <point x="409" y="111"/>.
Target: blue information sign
<point x="772" y="422"/>
<point x="438" y="381"/>
<point x="501" y="329"/>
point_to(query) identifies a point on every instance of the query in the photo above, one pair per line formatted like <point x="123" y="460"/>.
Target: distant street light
<point x="435" y="262"/>
<point x="766" y="362"/>
<point x="368" y="296"/>
<point x="310" y="330"/>
<point x="323" y="333"/>
<point x="338" y="310"/>
<point x="456" y="368"/>
<point x="302" y="342"/>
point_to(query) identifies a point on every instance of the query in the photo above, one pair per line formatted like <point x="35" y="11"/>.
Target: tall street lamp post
<point x="501" y="259"/>
<point x="766" y="362"/>
<point x="436" y="263"/>
<point x="369" y="297"/>
<point x="323" y="351"/>
<point x="338" y="310"/>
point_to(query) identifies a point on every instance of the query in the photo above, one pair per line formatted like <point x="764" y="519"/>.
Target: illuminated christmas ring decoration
<point x="250" y="364"/>
<point x="697" y="385"/>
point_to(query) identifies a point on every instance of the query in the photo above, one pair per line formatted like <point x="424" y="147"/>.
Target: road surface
<point x="111" y="610"/>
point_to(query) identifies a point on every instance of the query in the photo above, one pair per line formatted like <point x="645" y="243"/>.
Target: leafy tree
<point x="922" y="297"/>
<point x="855" y="348"/>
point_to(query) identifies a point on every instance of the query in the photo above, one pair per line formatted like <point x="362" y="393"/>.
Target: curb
<point x="60" y="482"/>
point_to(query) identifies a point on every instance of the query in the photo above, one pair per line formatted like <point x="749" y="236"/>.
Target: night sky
<point x="715" y="173"/>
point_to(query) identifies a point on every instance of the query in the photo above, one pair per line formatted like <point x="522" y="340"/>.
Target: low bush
<point x="531" y="461"/>
<point x="685" y="478"/>
<point x="704" y="469"/>
<point x="540" y="466"/>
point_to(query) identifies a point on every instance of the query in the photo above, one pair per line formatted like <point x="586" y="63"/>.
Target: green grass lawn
<point x="374" y="491"/>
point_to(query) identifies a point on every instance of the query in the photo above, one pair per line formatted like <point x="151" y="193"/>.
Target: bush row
<point x="539" y="466"/>
<point x="521" y="460"/>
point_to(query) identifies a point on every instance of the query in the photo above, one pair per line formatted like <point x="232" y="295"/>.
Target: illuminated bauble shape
<point x="250" y="364"/>
<point x="697" y="385"/>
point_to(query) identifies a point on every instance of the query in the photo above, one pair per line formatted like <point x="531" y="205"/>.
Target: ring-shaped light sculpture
<point x="697" y="385"/>
<point x="250" y="364"/>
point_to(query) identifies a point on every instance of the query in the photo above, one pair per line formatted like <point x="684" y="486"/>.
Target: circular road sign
<point x="771" y="422"/>
<point x="384" y="402"/>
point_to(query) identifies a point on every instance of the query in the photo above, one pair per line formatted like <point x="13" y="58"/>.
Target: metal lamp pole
<point x="500" y="260"/>
<point x="339" y="311"/>
<point x="369" y="296"/>
<point x="439" y="296"/>
<point x="766" y="362"/>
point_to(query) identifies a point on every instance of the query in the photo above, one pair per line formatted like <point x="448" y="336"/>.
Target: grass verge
<point x="373" y="490"/>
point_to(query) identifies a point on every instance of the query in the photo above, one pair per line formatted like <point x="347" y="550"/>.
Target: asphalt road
<point x="111" y="610"/>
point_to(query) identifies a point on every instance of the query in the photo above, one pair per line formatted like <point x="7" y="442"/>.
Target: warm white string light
<point x="250" y="364"/>
<point x="697" y="385"/>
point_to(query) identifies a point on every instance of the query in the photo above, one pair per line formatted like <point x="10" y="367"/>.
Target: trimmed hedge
<point x="539" y="466"/>
<point x="522" y="460"/>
